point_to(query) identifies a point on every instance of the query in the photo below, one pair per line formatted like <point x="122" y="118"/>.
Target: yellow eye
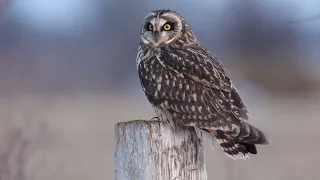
<point x="150" y="27"/>
<point x="167" y="27"/>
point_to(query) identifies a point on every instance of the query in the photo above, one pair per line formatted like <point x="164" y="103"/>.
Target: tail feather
<point x="234" y="149"/>
<point x="251" y="148"/>
<point x="252" y="135"/>
<point x="262" y="139"/>
<point x="244" y="143"/>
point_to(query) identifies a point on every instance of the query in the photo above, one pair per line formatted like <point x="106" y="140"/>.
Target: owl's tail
<point x="239" y="147"/>
<point x="230" y="147"/>
<point x="236" y="150"/>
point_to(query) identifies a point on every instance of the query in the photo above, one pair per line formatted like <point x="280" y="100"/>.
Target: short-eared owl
<point x="187" y="85"/>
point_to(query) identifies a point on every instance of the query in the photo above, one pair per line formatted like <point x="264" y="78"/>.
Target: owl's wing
<point x="202" y="66"/>
<point x="218" y="104"/>
<point x="199" y="64"/>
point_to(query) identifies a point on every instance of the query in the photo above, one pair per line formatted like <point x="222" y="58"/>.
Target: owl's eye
<point x="167" y="27"/>
<point x="150" y="27"/>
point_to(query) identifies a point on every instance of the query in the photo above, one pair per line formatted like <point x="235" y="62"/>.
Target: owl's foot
<point x="155" y="119"/>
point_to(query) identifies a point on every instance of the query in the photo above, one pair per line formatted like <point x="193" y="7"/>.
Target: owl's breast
<point x="161" y="83"/>
<point x="152" y="76"/>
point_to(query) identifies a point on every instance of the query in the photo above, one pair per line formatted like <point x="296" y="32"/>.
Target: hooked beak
<point x="156" y="36"/>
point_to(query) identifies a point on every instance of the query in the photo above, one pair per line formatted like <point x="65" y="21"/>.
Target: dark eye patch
<point x="147" y="25"/>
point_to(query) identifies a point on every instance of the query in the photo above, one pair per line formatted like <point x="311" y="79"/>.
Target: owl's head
<point x="162" y="27"/>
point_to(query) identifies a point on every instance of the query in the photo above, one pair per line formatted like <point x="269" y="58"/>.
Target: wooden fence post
<point x="149" y="150"/>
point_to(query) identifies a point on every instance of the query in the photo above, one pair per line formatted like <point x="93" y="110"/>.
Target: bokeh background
<point x="68" y="74"/>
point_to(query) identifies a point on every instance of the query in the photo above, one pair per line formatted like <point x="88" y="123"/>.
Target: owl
<point x="188" y="86"/>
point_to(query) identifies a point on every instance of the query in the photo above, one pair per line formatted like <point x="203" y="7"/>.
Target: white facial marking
<point x="153" y="22"/>
<point x="144" y="40"/>
<point x="170" y="40"/>
<point x="161" y="23"/>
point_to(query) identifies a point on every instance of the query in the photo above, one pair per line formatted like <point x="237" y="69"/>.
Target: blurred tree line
<point x="260" y="40"/>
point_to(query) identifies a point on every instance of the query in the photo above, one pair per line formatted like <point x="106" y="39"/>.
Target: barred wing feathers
<point x="215" y="105"/>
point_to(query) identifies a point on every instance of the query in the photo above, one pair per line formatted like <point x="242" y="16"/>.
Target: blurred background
<point x="68" y="75"/>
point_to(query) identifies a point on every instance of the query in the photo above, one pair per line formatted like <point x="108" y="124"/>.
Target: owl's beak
<point x="156" y="36"/>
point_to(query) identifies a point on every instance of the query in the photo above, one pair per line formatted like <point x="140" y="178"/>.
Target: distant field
<point x="50" y="137"/>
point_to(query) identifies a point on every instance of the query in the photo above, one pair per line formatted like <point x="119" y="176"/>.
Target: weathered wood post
<point x="149" y="150"/>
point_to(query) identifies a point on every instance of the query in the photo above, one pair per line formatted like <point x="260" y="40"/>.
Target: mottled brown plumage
<point x="187" y="85"/>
